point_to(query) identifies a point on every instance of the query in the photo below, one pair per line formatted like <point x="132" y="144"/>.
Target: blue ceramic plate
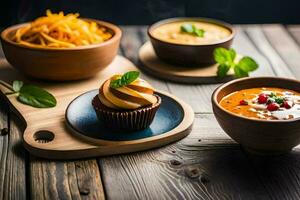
<point x="81" y="119"/>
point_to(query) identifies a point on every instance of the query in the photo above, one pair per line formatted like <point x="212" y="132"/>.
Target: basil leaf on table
<point x="248" y="64"/>
<point x="222" y="70"/>
<point x="30" y="94"/>
<point x="126" y="79"/>
<point x="227" y="60"/>
<point x="239" y="72"/>
<point x="36" y="97"/>
<point x="224" y="56"/>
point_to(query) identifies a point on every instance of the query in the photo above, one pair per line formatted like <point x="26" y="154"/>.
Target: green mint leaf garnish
<point x="129" y="77"/>
<point x="36" y="97"/>
<point x="224" y="56"/>
<point x="199" y="32"/>
<point x="116" y="83"/>
<point x="126" y="79"/>
<point x="239" y="72"/>
<point x="232" y="54"/>
<point x="192" y="29"/>
<point x="274" y="98"/>
<point x="17" y="85"/>
<point x="248" y="64"/>
<point x="227" y="60"/>
<point x="222" y="70"/>
<point x="279" y="100"/>
<point x="187" y="28"/>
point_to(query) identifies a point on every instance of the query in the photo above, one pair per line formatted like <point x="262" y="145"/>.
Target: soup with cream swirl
<point x="263" y="103"/>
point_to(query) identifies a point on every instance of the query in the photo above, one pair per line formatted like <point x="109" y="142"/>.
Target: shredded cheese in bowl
<point x="61" y="31"/>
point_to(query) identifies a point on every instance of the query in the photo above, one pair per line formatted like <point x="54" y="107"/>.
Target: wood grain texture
<point x="65" y="180"/>
<point x="198" y="167"/>
<point x="261" y="42"/>
<point x="279" y="175"/>
<point x="12" y="155"/>
<point x="12" y="163"/>
<point x="294" y="30"/>
<point x="285" y="45"/>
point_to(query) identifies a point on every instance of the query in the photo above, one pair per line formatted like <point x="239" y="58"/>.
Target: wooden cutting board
<point x="46" y="134"/>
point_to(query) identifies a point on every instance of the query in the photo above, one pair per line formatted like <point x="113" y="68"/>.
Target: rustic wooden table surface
<point x="205" y="165"/>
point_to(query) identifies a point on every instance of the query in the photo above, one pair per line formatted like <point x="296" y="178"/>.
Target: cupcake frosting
<point x="137" y="94"/>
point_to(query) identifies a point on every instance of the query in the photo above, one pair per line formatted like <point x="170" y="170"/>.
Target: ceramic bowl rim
<point x="236" y="81"/>
<point x="114" y="28"/>
<point x="201" y="19"/>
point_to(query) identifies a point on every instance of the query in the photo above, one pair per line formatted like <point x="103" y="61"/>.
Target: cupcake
<point x="126" y="102"/>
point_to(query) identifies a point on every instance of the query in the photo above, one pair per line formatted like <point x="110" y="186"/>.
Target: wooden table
<point x="205" y="165"/>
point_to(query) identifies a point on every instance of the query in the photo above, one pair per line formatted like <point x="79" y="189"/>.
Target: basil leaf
<point x="188" y="28"/>
<point x="224" y="56"/>
<point x="220" y="55"/>
<point x="199" y="32"/>
<point x="36" y="97"/>
<point x="248" y="64"/>
<point x="239" y="72"/>
<point x="192" y="29"/>
<point x="222" y="70"/>
<point x="129" y="77"/>
<point x="17" y="85"/>
<point x="116" y="83"/>
<point x="232" y="54"/>
<point x="227" y="57"/>
<point x="126" y="79"/>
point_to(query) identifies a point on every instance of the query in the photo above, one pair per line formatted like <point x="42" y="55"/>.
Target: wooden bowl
<point x="186" y="54"/>
<point x="61" y="64"/>
<point x="266" y="137"/>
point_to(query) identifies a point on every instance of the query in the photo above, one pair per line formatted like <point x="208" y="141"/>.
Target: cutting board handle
<point x="50" y="136"/>
<point x="39" y="137"/>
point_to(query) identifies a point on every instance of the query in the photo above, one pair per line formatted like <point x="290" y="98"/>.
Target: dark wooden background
<point x="149" y="11"/>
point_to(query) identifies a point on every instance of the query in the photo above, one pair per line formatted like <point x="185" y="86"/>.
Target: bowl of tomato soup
<point x="189" y="41"/>
<point x="260" y="113"/>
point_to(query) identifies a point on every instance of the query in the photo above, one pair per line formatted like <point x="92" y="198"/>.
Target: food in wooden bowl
<point x="61" y="47"/>
<point x="262" y="114"/>
<point x="126" y="102"/>
<point x="263" y="103"/>
<point x="189" y="41"/>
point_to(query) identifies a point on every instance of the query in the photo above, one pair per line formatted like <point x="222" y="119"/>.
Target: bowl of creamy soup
<point x="260" y="113"/>
<point x="189" y="41"/>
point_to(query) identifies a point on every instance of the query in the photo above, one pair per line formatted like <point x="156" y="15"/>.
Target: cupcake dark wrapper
<point x="127" y="120"/>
